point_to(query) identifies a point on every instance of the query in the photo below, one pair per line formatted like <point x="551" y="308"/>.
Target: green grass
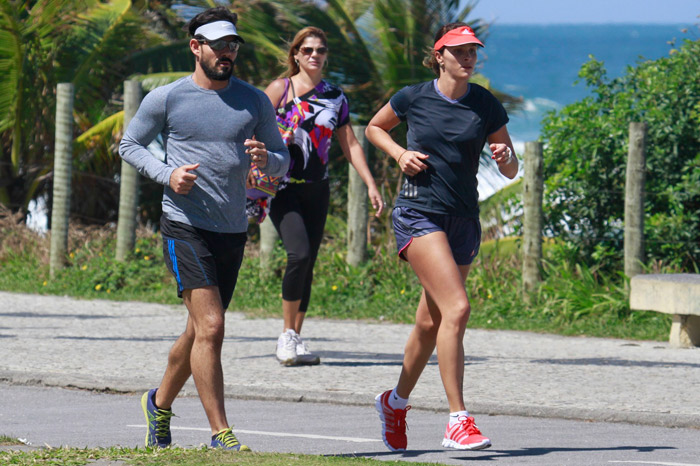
<point x="572" y="299"/>
<point x="179" y="456"/>
<point x="91" y="272"/>
<point x="6" y="440"/>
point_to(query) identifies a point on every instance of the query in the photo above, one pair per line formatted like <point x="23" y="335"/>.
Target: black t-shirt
<point x="453" y="134"/>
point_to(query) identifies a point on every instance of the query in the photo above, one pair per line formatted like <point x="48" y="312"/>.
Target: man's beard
<point x="216" y="75"/>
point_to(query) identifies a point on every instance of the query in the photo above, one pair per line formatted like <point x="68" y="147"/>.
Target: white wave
<point x="546" y="103"/>
<point x="540" y="105"/>
<point x="530" y="106"/>
<point x="515" y="89"/>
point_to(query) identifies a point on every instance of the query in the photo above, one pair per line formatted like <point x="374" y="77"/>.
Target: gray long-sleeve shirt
<point x="206" y="127"/>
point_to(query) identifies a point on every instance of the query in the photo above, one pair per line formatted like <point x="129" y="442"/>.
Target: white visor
<point x="217" y="30"/>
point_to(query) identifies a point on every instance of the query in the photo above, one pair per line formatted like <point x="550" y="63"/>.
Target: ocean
<point x="540" y="63"/>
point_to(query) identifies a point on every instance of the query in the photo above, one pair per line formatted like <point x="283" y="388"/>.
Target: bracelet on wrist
<point x="510" y="155"/>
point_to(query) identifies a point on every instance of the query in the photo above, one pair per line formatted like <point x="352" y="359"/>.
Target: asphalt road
<point x="79" y="418"/>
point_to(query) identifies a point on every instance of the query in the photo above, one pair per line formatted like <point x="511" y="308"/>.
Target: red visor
<point x="460" y="36"/>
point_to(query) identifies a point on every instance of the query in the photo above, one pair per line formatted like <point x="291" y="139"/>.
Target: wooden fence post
<point x="268" y="241"/>
<point x="533" y="188"/>
<point x="129" y="179"/>
<point x="62" y="172"/>
<point x="357" y="207"/>
<point x="634" y="199"/>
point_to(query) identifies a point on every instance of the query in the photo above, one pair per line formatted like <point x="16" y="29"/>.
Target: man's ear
<point x="195" y="47"/>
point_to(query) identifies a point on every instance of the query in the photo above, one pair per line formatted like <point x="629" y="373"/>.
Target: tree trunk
<point x="62" y="168"/>
<point x="533" y="187"/>
<point x="634" y="200"/>
<point x="357" y="208"/>
<point x="129" y="180"/>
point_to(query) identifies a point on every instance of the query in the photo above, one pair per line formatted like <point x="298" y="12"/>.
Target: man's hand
<point x="182" y="180"/>
<point x="257" y="152"/>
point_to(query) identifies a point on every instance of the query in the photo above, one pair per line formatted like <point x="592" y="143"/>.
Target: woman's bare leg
<point x="441" y="318"/>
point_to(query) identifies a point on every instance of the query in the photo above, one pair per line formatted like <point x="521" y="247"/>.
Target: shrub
<point x="585" y="160"/>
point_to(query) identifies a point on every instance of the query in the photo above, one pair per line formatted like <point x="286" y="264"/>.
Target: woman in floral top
<point x="310" y="111"/>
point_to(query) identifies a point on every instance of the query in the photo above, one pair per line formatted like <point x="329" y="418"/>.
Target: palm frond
<point x="11" y="54"/>
<point x="402" y="41"/>
<point x="30" y="34"/>
<point x="357" y="8"/>
<point x="111" y="31"/>
<point x="267" y="26"/>
<point x="104" y="130"/>
<point x="161" y="58"/>
<point x="479" y="26"/>
<point x="95" y="150"/>
<point x="354" y="41"/>
<point x="151" y="81"/>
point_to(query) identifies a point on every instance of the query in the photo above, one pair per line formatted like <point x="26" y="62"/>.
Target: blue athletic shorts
<point x="199" y="258"/>
<point x="463" y="234"/>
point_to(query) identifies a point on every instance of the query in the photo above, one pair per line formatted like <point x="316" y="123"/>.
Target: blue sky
<point x="588" y="11"/>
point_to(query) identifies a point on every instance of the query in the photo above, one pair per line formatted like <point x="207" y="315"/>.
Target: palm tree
<point x="31" y="35"/>
<point x="91" y="44"/>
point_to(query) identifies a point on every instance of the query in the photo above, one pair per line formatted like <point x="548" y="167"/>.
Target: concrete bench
<point x="677" y="294"/>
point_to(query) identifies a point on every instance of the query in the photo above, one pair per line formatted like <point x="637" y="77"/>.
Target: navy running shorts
<point x="199" y="258"/>
<point x="463" y="234"/>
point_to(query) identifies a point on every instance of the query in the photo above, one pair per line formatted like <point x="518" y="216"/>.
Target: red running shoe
<point x="393" y="422"/>
<point x="465" y="435"/>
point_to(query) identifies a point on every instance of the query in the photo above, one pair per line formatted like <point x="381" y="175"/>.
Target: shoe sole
<point x="476" y="446"/>
<point x="242" y="448"/>
<point x="144" y="407"/>
<point x="308" y="361"/>
<point x="380" y="409"/>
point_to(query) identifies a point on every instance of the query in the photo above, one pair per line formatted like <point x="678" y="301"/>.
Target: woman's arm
<point x="377" y="132"/>
<point x="356" y="156"/>
<point x="503" y="153"/>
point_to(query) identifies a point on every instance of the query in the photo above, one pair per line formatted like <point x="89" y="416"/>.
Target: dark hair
<point x="219" y="13"/>
<point x="299" y="38"/>
<point x="430" y="61"/>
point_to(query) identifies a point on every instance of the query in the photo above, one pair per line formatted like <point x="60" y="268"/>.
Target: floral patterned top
<point x="307" y="124"/>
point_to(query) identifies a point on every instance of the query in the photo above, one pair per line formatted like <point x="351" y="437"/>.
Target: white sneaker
<point x="304" y="356"/>
<point x="287" y="348"/>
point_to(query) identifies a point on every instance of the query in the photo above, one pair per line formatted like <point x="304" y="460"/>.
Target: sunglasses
<point x="310" y="50"/>
<point x="221" y="44"/>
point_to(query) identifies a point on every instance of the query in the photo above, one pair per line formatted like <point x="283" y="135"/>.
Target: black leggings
<point x="299" y="214"/>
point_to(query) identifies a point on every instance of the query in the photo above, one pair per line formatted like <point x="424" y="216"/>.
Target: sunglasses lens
<point x="310" y="50"/>
<point x="222" y="44"/>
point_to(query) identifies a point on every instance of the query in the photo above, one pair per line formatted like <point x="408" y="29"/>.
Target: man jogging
<point x="213" y="126"/>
